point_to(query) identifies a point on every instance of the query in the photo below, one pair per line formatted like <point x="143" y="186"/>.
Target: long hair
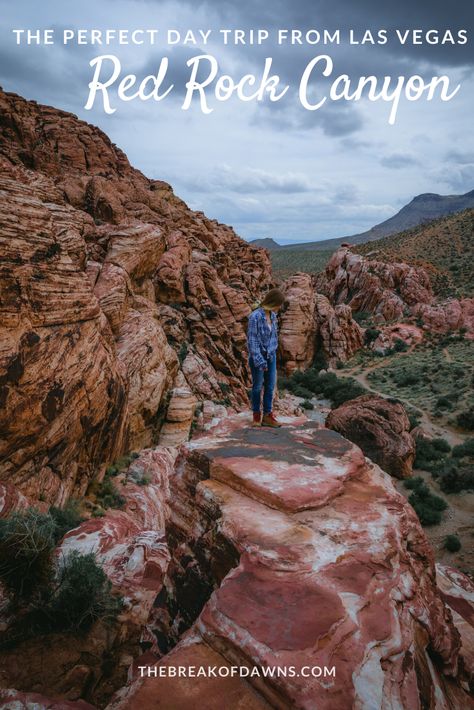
<point x="272" y="299"/>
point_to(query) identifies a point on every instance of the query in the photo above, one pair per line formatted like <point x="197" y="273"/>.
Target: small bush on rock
<point x="107" y="494"/>
<point x="66" y="518"/>
<point x="27" y="540"/>
<point x="82" y="596"/>
<point x="427" y="506"/>
<point x="452" y="543"/>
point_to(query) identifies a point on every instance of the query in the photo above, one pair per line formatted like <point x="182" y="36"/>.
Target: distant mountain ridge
<point x="266" y="243"/>
<point x="422" y="208"/>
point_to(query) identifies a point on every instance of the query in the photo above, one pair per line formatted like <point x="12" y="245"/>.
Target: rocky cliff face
<point x="310" y="324"/>
<point x="390" y="291"/>
<point x="110" y="288"/>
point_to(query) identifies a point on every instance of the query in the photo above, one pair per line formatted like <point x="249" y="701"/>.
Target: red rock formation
<point x="382" y="430"/>
<point x="297" y="337"/>
<point x="106" y="277"/>
<point x="448" y="316"/>
<point x="179" y="415"/>
<point x="315" y="560"/>
<point x="131" y="546"/>
<point x="340" y="335"/>
<point x="310" y="323"/>
<point x="390" y="290"/>
<point x="457" y="590"/>
<point x="410" y="334"/>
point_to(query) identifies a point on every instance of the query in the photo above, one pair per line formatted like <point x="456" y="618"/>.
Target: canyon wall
<point x="113" y="294"/>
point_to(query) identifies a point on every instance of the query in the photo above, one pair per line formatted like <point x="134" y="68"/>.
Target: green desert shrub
<point x="444" y="403"/>
<point x="301" y="391"/>
<point x="457" y="479"/>
<point x="319" y="362"/>
<point x="399" y="346"/>
<point x="452" y="543"/>
<point x="183" y="351"/>
<point x="360" y="316"/>
<point x="66" y="518"/>
<point x="46" y="595"/>
<point x="370" y="335"/>
<point x="405" y="378"/>
<point x="464" y="449"/>
<point x="306" y="404"/>
<point x="27" y="540"/>
<point x="82" y="595"/>
<point x="465" y="419"/>
<point x="414" y="418"/>
<point x="429" y="452"/>
<point x="326" y="384"/>
<point x="427" y="506"/>
<point x="413" y="483"/>
<point x="107" y="494"/>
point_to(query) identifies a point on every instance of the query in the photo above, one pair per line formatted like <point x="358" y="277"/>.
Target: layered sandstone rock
<point x="391" y="290"/>
<point x="382" y="430"/>
<point x="385" y="290"/>
<point x="448" y="316"/>
<point x="110" y="286"/>
<point x="179" y="415"/>
<point x="457" y="590"/>
<point x="131" y="546"/>
<point x="311" y="558"/>
<point x="297" y="337"/>
<point x="310" y="324"/>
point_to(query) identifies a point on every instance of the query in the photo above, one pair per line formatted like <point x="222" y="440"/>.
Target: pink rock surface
<point x="341" y="576"/>
<point x="130" y="543"/>
<point x="10" y="500"/>
<point x="448" y="316"/>
<point x="391" y="290"/>
<point x="375" y="286"/>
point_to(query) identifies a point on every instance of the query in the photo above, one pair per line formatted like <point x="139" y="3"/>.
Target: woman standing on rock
<point x="262" y="341"/>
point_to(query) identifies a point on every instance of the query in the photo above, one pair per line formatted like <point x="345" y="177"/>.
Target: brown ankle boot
<point x="270" y="420"/>
<point x="257" y="419"/>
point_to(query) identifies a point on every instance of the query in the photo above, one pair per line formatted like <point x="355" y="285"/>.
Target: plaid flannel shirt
<point x="262" y="341"/>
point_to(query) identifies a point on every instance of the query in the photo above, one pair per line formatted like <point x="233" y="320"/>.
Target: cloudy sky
<point x="267" y="168"/>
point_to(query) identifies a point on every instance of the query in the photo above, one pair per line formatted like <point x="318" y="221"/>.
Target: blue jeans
<point x="265" y="379"/>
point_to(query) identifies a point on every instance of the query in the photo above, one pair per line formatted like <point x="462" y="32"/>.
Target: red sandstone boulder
<point x="457" y="590"/>
<point x="297" y="337"/>
<point x="448" y="316"/>
<point x="382" y="430"/>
